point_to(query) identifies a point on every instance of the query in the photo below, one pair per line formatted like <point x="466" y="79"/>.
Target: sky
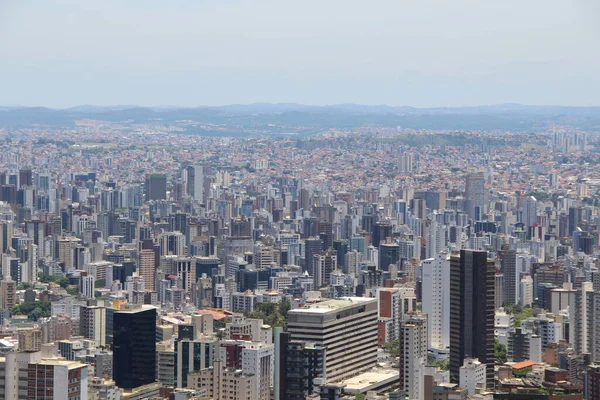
<point x="422" y="53"/>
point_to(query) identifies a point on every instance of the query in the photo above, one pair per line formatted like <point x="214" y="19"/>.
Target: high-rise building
<point x="92" y="324"/>
<point x="301" y="364"/>
<point x="349" y="351"/>
<point x="472" y="300"/>
<point x="393" y="303"/>
<point x="475" y="196"/>
<point x="195" y="182"/>
<point x="406" y="163"/>
<point x="147" y="267"/>
<point x="413" y="355"/>
<point x="325" y="263"/>
<point x="512" y="277"/>
<point x="529" y="215"/>
<point x="155" y="187"/>
<point x="436" y="300"/>
<point x="8" y="294"/>
<point x="472" y="375"/>
<point x="30" y="339"/>
<point x="586" y="326"/>
<point x="312" y="246"/>
<point x="14" y="374"/>
<point x="256" y="358"/>
<point x="389" y="253"/>
<point x="87" y="285"/>
<point x="194" y="355"/>
<point x="225" y="383"/>
<point x="134" y="346"/>
<point x="57" y="380"/>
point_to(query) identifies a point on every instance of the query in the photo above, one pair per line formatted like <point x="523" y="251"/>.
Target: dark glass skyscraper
<point x="472" y="302"/>
<point x="134" y="346"/>
<point x="155" y="187"/>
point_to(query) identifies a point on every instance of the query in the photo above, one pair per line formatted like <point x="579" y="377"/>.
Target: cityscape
<point x="299" y="200"/>
<point x="141" y="261"/>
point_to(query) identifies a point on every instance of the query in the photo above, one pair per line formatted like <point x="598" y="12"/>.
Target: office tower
<point x="195" y="182"/>
<point x="413" y="355"/>
<point x="193" y="355"/>
<point x="155" y="187"/>
<point x="406" y="163"/>
<point x="475" y="196"/>
<point x="419" y="208"/>
<point x="436" y="300"/>
<point x="512" y="277"/>
<point x="134" y="346"/>
<point x="147" y="267"/>
<point x="312" y="246"/>
<point x="389" y="253"/>
<point x="6" y="232"/>
<point x="529" y="215"/>
<point x="499" y="290"/>
<point x="8" y="294"/>
<point x="472" y="311"/>
<point x="349" y="352"/>
<point x="57" y="380"/>
<point x="382" y="231"/>
<point x="301" y="366"/>
<point x="324" y="263"/>
<point x="25" y="178"/>
<point x="185" y="269"/>
<point x="92" y="324"/>
<point x="325" y="231"/>
<point x="433" y="200"/>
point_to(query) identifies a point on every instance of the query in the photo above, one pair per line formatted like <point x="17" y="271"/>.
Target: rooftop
<point x="336" y="304"/>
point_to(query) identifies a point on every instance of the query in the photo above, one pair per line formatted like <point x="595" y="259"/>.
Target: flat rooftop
<point x="369" y="380"/>
<point x="334" y="304"/>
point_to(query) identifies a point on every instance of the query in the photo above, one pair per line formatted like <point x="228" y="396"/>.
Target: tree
<point x="500" y="353"/>
<point x="33" y="310"/>
<point x="444" y="364"/>
<point x="392" y="348"/>
<point x="284" y="307"/>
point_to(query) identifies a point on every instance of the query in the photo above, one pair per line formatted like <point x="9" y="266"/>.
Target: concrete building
<point x="225" y="383"/>
<point x="472" y="375"/>
<point x="349" y="352"/>
<point x="472" y="305"/>
<point x="92" y="324"/>
<point x="30" y="339"/>
<point x="413" y="355"/>
<point x="57" y="380"/>
<point x="436" y="300"/>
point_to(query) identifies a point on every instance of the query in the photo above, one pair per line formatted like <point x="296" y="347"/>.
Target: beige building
<point x="346" y="327"/>
<point x="224" y="383"/>
<point x="30" y="339"/>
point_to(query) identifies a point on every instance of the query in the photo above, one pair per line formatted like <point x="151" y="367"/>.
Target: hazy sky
<point x="60" y="53"/>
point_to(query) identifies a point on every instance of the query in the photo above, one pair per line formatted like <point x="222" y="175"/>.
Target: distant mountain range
<point x="273" y="117"/>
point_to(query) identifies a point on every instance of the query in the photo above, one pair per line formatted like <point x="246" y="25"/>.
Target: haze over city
<point x="190" y="53"/>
